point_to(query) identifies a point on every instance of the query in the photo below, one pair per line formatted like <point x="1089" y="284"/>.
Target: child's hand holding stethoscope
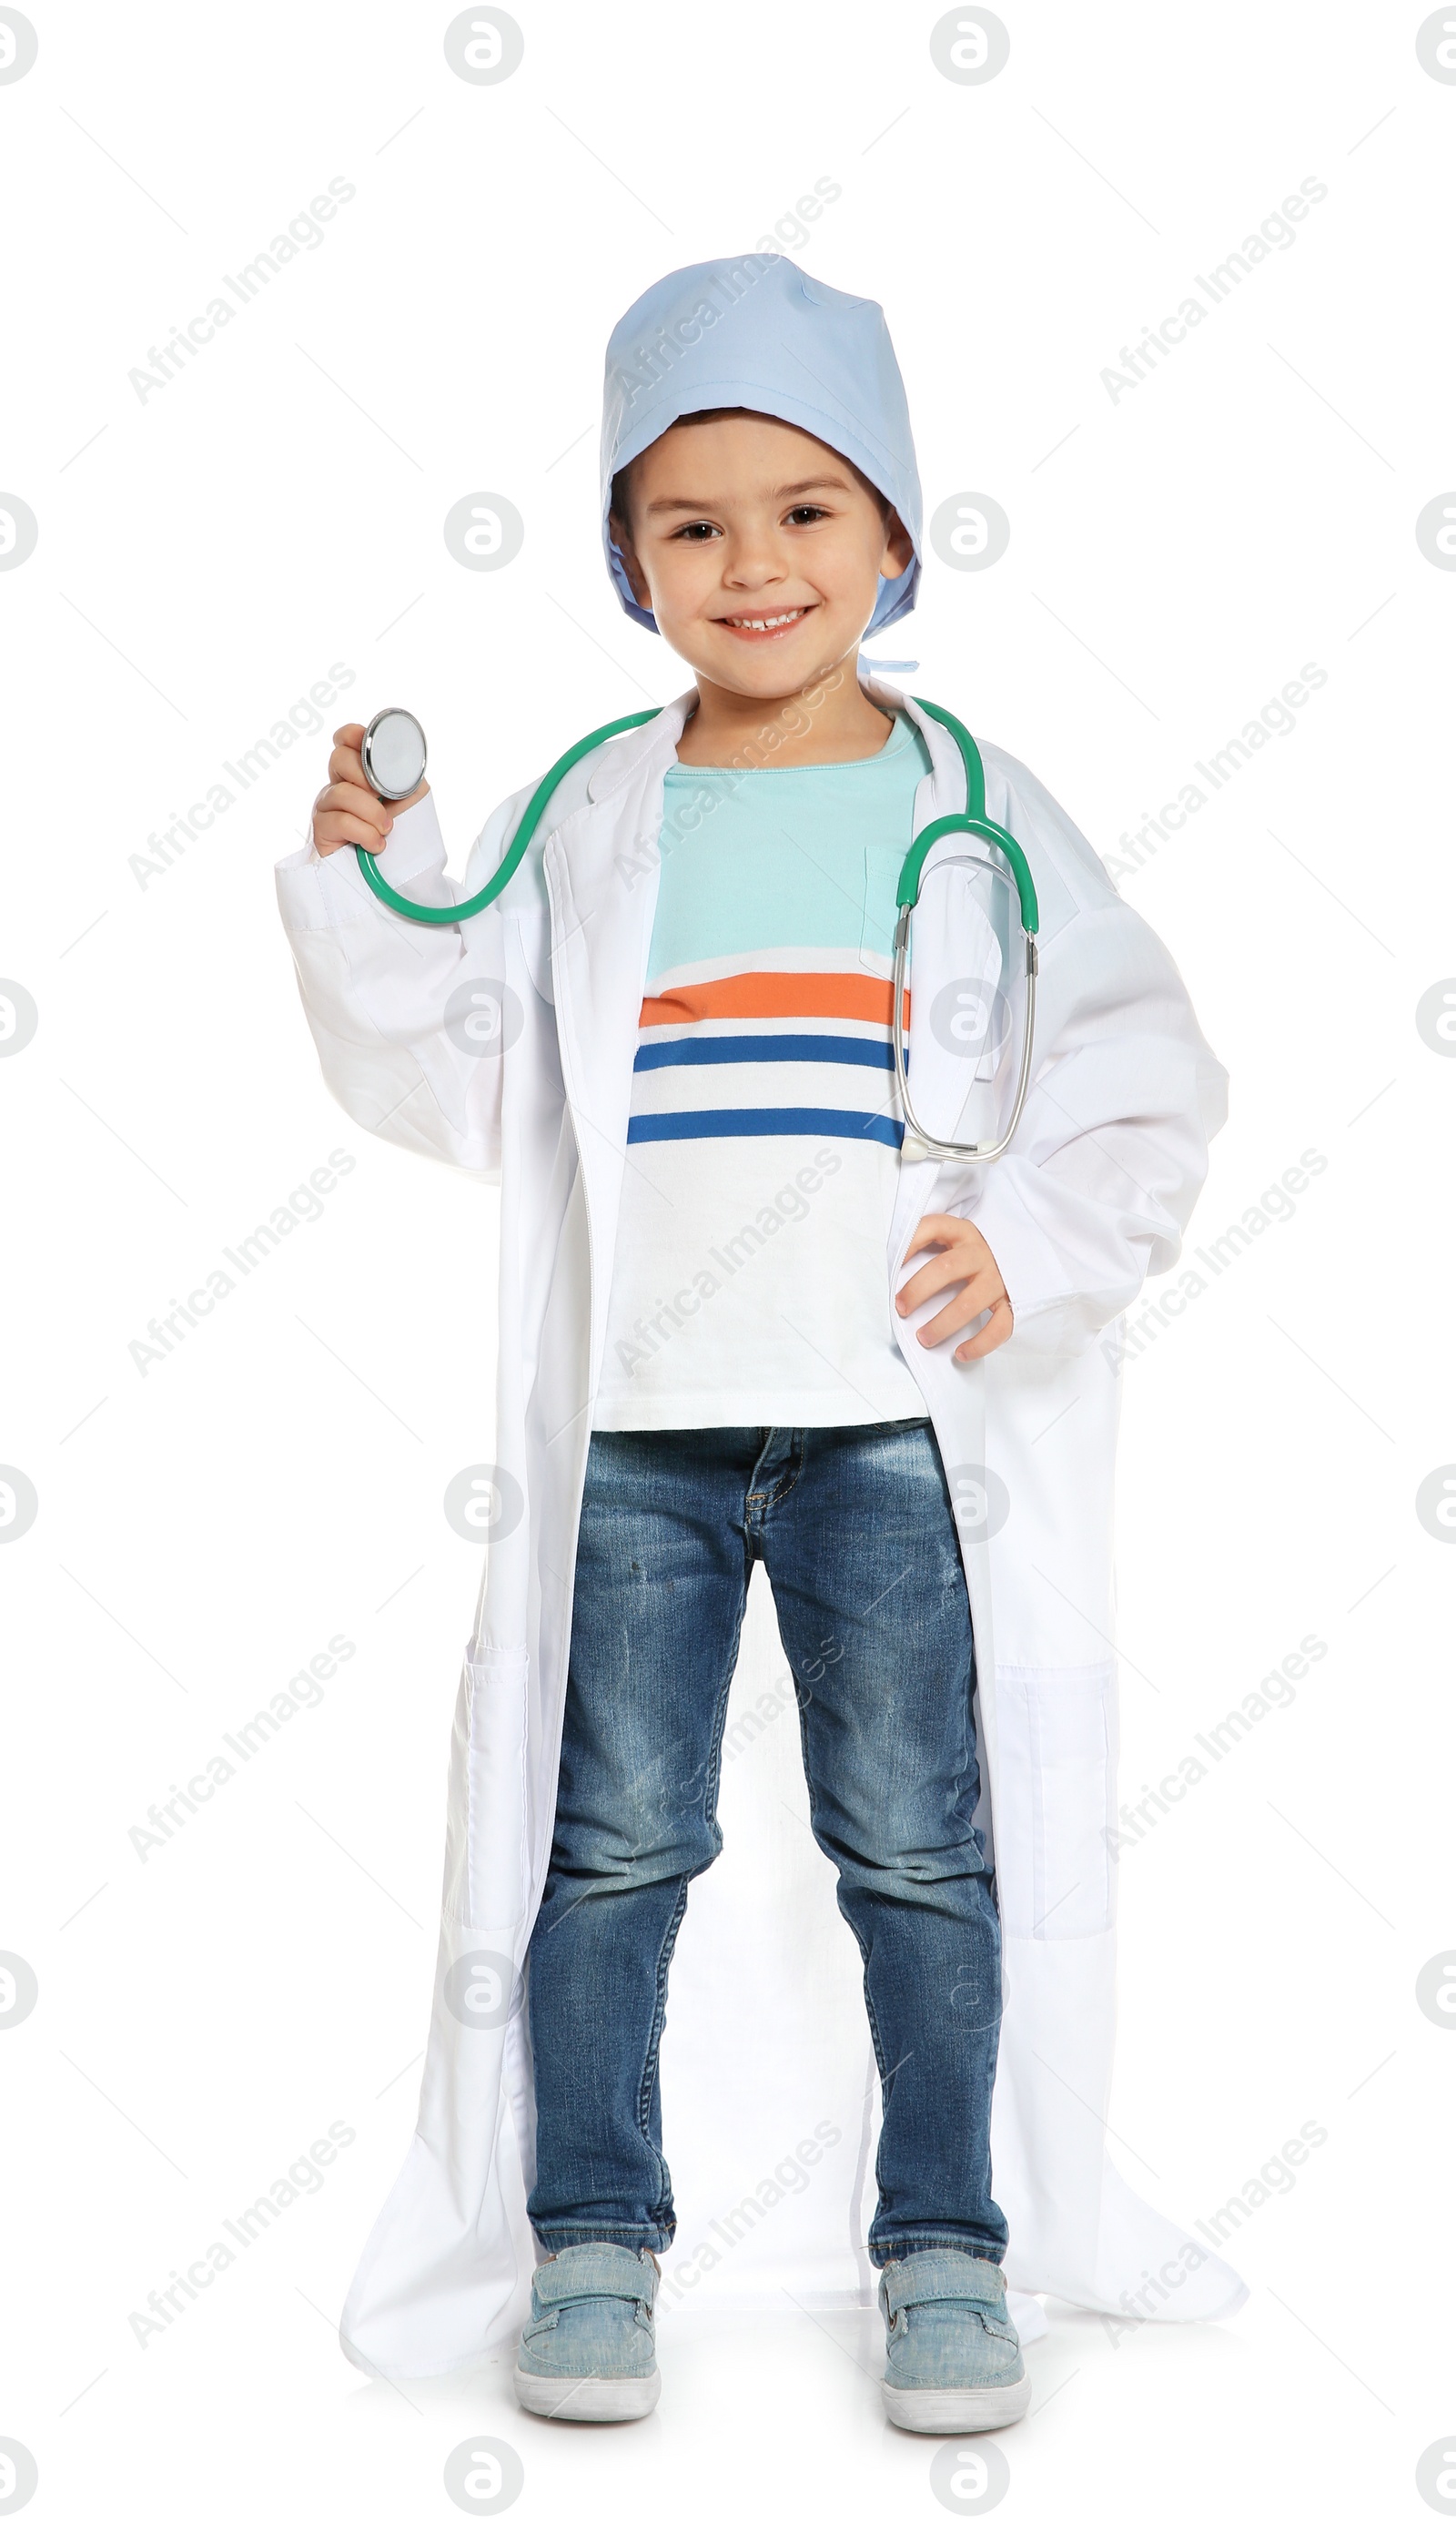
<point x="351" y="811"/>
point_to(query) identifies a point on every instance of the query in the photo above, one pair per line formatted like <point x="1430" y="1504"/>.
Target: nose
<point x="753" y="559"/>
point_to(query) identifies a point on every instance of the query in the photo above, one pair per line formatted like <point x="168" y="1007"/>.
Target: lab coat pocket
<point x="1056" y="1783"/>
<point x="487" y="1873"/>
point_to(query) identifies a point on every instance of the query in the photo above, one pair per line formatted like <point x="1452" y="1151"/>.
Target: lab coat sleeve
<point x="1112" y="1148"/>
<point x="401" y="1015"/>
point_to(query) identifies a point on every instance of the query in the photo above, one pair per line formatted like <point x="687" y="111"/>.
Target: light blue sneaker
<point x="588" y="2350"/>
<point x="955" y="2364"/>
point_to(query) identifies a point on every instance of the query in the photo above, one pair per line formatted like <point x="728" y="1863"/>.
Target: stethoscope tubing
<point x="975" y="820"/>
<point x="919" y="1141"/>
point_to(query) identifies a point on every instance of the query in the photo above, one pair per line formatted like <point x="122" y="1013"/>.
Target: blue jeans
<point x="856" y="1530"/>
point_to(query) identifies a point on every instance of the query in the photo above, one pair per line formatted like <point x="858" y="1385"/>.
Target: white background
<point x="1177" y="555"/>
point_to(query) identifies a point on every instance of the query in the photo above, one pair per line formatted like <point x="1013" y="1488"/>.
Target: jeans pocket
<point x="488" y="1873"/>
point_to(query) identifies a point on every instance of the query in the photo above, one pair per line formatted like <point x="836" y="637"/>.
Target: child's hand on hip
<point x="964" y="1260"/>
<point x="348" y="810"/>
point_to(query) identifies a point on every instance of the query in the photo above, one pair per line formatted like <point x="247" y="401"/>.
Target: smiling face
<point x="757" y="549"/>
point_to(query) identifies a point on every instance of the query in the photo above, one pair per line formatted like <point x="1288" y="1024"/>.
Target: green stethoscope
<point x="394" y="759"/>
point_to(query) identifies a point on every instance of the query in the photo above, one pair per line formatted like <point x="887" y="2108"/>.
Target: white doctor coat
<point x="1094" y="1193"/>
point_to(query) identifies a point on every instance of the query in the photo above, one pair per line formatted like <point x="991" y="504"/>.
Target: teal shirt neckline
<point x="903" y="733"/>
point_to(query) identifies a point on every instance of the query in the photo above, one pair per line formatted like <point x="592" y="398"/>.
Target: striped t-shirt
<point x="750" y="1285"/>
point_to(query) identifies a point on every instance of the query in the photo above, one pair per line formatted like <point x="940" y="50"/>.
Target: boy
<point x="742" y="1318"/>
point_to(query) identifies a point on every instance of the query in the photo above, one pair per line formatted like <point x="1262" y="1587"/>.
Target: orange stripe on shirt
<point x="856" y="996"/>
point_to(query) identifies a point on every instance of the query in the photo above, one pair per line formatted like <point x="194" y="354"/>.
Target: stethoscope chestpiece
<point x="393" y="754"/>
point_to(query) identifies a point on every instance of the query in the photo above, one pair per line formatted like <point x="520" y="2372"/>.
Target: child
<point x="742" y="1317"/>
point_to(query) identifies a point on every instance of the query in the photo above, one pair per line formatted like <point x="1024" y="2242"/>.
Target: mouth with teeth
<point x="764" y="626"/>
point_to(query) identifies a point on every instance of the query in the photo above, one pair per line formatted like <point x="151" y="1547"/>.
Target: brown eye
<point x="808" y="512"/>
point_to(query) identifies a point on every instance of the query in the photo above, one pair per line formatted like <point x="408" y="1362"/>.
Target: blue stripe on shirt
<point x="718" y="1048"/>
<point x="778" y="1121"/>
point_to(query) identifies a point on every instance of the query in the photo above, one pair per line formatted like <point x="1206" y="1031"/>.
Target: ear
<point x="622" y="539"/>
<point x="899" y="550"/>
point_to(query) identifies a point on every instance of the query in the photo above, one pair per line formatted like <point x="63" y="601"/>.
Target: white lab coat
<point x="1093" y="1193"/>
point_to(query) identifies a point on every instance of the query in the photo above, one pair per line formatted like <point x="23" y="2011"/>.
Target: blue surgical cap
<point x="753" y="332"/>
